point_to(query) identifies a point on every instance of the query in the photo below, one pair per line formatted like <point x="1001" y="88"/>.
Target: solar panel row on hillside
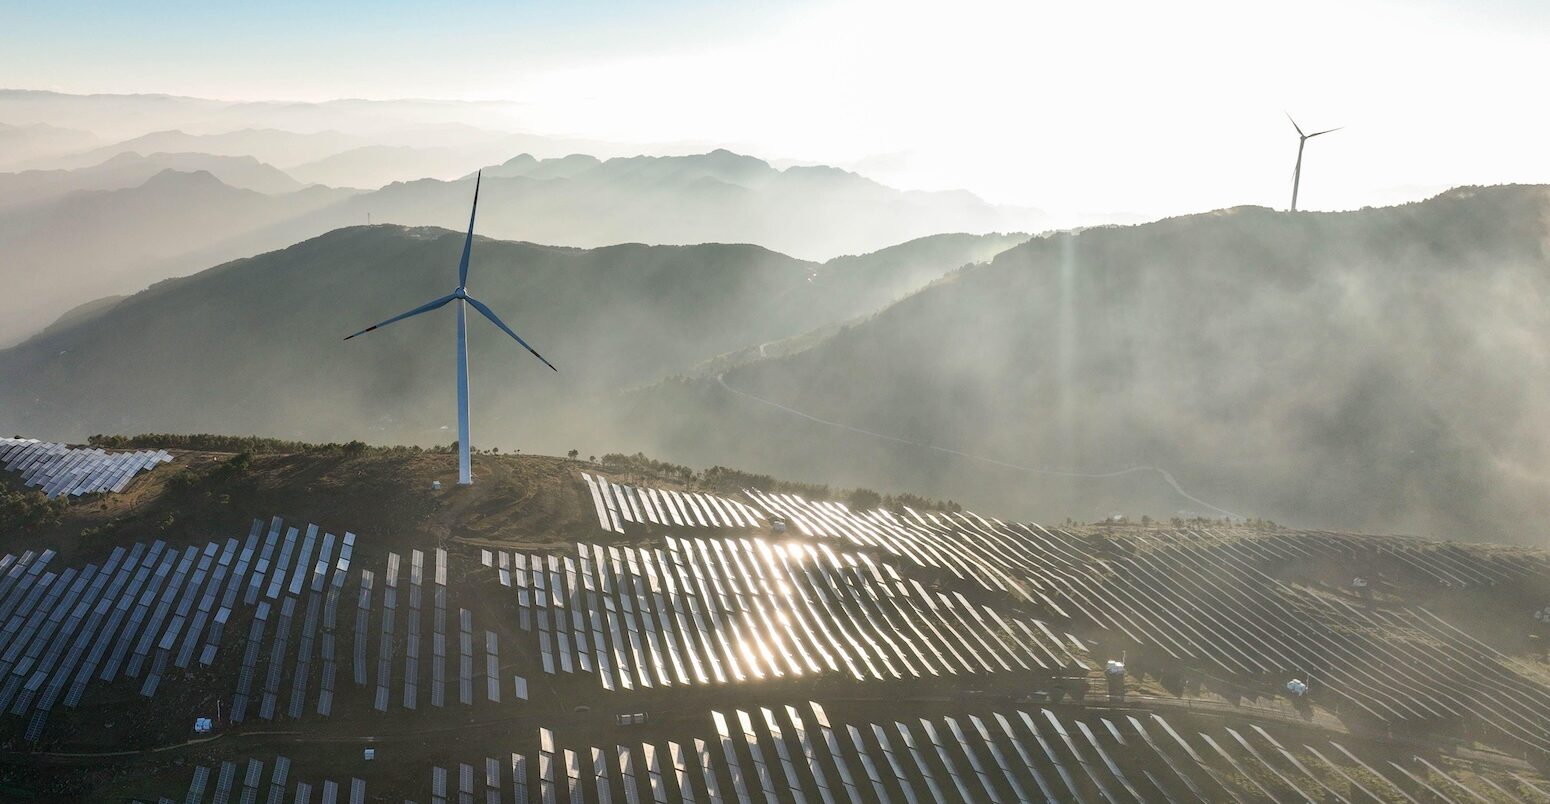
<point x="618" y="504"/>
<point x="258" y="775"/>
<point x="61" y="470"/>
<point x="1202" y="597"/>
<point x="804" y="754"/>
<point x="711" y="611"/>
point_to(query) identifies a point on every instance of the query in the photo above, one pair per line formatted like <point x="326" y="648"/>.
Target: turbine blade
<point x="424" y="308"/>
<point x="495" y="319"/>
<point x="1325" y="131"/>
<point x="468" y="241"/>
<point x="1294" y="125"/>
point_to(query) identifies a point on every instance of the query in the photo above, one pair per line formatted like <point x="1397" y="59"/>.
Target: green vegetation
<point x="21" y="509"/>
<point x="249" y="445"/>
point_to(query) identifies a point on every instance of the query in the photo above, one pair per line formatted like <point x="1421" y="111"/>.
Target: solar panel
<point x="492" y="667"/>
<point x="465" y="657"/>
<point x="597" y="502"/>
<point x="224" y="781"/>
<point x="519" y="777"/>
<point x="281" y="564"/>
<point x="303" y="659"/>
<point x="196" y="788"/>
<point x="261" y="567"/>
<point x="385" y="643"/>
<point x="546" y="791"/>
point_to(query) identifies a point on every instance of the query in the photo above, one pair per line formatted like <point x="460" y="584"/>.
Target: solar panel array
<point x="851" y="597"/>
<point x="1206" y="599"/>
<point x="703" y="611"/>
<point x="61" y="470"/>
<point x="151" y="611"/>
<point x="273" y="780"/>
<point x="621" y="505"/>
<point x="802" y="752"/>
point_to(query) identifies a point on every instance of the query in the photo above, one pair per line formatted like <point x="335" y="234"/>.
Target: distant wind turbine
<point x="460" y="295"/>
<point x="1302" y="141"/>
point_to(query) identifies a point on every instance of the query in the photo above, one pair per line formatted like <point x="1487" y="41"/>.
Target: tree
<point x="864" y="499"/>
<point x="572" y="454"/>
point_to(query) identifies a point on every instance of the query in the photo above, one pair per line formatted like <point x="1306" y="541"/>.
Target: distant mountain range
<point x="270" y="146"/>
<point x="89" y="244"/>
<point x="19" y="144"/>
<point x="254" y="345"/>
<point x="72" y="236"/>
<point x="129" y="169"/>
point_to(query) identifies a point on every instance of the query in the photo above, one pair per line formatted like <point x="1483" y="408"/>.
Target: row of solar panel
<point x="798" y="753"/>
<point x="62" y="470"/>
<point x="59" y="629"/>
<point x="705" y="610"/>
<point x="413" y="648"/>
<point x="1204" y="597"/>
<point x="619" y="505"/>
<point x="280" y="786"/>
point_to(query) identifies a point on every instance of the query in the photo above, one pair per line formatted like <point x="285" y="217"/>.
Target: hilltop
<point x="762" y="639"/>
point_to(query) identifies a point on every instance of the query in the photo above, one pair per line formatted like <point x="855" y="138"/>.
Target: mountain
<point x="573" y="201"/>
<point x="1383" y="368"/>
<point x="812" y="213"/>
<point x="91" y="244"/>
<point x="418" y="123"/>
<point x="20" y="144"/>
<point x="373" y="166"/>
<point x="269" y="328"/>
<point x="271" y="146"/>
<point x="129" y="169"/>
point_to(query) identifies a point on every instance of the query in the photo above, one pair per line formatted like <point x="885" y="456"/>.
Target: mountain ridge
<point x="1331" y="369"/>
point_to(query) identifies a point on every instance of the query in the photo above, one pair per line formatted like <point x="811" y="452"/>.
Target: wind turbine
<point x="460" y="295"/>
<point x="1302" y="141"/>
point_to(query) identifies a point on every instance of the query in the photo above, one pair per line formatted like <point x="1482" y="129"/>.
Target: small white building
<point x="203" y="725"/>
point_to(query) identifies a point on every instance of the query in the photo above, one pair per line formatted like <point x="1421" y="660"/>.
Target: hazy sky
<point x="1135" y="105"/>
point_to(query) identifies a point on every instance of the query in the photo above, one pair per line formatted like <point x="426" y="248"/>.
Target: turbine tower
<point x="460" y="295"/>
<point x="1302" y="140"/>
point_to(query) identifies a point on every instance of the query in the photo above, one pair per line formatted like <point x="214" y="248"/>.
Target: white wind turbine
<point x="460" y="295"/>
<point x="1301" y="142"/>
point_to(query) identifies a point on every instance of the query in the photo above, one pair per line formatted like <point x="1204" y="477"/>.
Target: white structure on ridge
<point x="460" y="295"/>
